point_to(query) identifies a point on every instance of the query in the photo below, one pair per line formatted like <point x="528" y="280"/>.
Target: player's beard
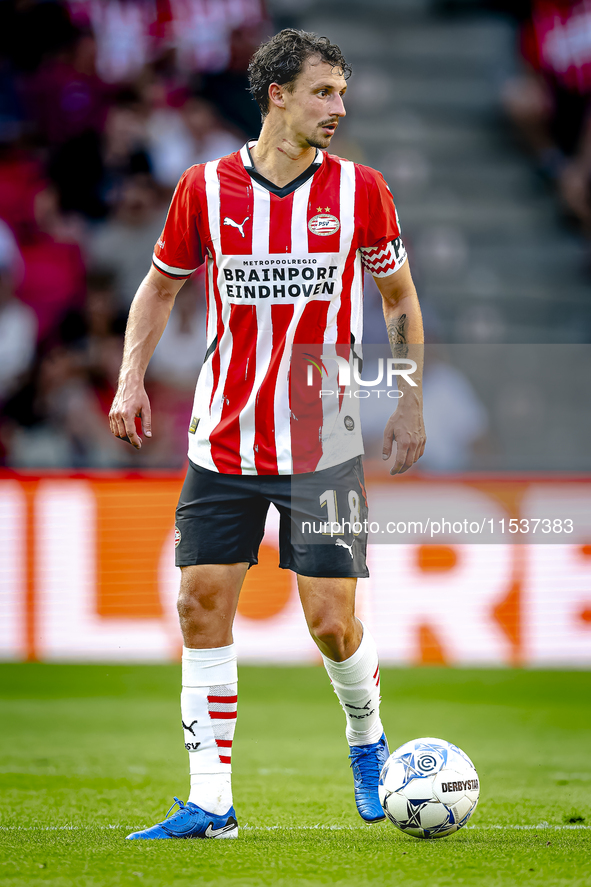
<point x="320" y="141"/>
<point x="316" y="143"/>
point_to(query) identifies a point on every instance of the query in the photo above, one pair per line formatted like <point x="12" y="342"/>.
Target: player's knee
<point x="200" y="601"/>
<point x="192" y="605"/>
<point x="330" y="630"/>
<point x="185" y="605"/>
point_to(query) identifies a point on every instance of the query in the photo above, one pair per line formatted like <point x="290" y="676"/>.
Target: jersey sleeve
<point x="381" y="246"/>
<point x="179" y="250"/>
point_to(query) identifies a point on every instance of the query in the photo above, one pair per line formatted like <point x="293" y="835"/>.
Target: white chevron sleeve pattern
<point x="382" y="261"/>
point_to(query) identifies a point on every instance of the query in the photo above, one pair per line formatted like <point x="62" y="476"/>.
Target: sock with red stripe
<point x="356" y="681"/>
<point x="208" y="709"/>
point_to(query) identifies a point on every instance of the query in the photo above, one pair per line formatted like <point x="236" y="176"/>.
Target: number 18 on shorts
<point x="329" y="509"/>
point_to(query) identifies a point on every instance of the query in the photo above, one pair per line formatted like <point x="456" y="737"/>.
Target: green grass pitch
<point x="90" y="752"/>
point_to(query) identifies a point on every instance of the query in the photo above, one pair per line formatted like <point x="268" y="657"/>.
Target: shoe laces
<point x="364" y="762"/>
<point x="177" y="803"/>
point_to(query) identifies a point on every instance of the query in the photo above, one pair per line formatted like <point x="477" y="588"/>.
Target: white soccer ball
<point x="429" y="788"/>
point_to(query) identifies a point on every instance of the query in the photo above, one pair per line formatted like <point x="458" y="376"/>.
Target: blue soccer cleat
<point x="367" y="762"/>
<point x="190" y="821"/>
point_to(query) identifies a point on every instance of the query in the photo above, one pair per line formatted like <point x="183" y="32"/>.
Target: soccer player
<point x="285" y="231"/>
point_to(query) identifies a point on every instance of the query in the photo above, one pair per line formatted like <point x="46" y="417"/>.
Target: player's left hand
<point x="407" y="429"/>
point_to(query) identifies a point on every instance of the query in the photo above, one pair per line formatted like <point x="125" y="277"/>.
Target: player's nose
<point x="337" y="106"/>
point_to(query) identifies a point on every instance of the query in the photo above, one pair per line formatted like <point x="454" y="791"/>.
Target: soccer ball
<point x="428" y="788"/>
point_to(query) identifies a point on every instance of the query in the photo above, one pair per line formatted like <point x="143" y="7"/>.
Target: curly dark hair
<point x="282" y="58"/>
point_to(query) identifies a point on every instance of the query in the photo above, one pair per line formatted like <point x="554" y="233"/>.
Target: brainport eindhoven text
<point x="287" y="282"/>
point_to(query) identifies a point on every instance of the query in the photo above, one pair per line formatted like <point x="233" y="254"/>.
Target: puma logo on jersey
<point x="344" y="545"/>
<point x="233" y="224"/>
<point x="190" y="727"/>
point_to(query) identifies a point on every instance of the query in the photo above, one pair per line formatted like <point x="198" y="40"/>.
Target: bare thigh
<point x="207" y="603"/>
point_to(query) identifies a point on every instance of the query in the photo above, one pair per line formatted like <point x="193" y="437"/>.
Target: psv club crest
<point x="324" y="224"/>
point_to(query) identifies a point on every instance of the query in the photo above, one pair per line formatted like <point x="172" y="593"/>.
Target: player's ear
<point x="276" y="96"/>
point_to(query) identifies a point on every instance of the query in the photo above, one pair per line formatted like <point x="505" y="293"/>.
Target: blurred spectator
<point x="455" y="418"/>
<point x="126" y="32"/>
<point x="179" y="138"/>
<point x="59" y="415"/>
<point x="10" y="257"/>
<point x="124" y="244"/>
<point x="124" y="146"/>
<point x="69" y="103"/>
<point x="103" y="105"/>
<point x="550" y="101"/>
<point x="18" y="325"/>
<point x="33" y="31"/>
<point x="575" y="182"/>
<point x="101" y="317"/>
<point x="228" y="88"/>
<point x="53" y="277"/>
<point x="214" y="39"/>
<point x="11" y="110"/>
<point x="55" y="420"/>
<point x="203" y="31"/>
<point x="53" y="281"/>
<point x="66" y="96"/>
<point x="99" y="321"/>
<point x="21" y="178"/>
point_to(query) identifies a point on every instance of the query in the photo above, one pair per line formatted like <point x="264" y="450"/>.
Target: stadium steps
<point x="484" y="231"/>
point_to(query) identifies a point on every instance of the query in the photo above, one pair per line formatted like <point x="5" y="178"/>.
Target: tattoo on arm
<point x="397" y="337"/>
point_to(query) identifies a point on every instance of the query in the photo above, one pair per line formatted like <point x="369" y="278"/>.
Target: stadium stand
<point x="85" y="178"/>
<point x="493" y="258"/>
<point x="103" y="105"/>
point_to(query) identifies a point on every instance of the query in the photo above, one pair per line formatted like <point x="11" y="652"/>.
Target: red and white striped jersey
<point x="284" y="276"/>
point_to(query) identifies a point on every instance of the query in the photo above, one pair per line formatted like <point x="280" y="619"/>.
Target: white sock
<point x="208" y="709"/>
<point x="356" y="681"/>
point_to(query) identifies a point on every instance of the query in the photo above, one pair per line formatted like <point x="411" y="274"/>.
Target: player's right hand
<point x="130" y="401"/>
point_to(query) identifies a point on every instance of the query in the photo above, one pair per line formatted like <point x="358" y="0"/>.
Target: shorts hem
<point x="202" y="562"/>
<point x="326" y="574"/>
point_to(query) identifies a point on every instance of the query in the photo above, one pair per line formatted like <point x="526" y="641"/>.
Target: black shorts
<point x="220" y="519"/>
